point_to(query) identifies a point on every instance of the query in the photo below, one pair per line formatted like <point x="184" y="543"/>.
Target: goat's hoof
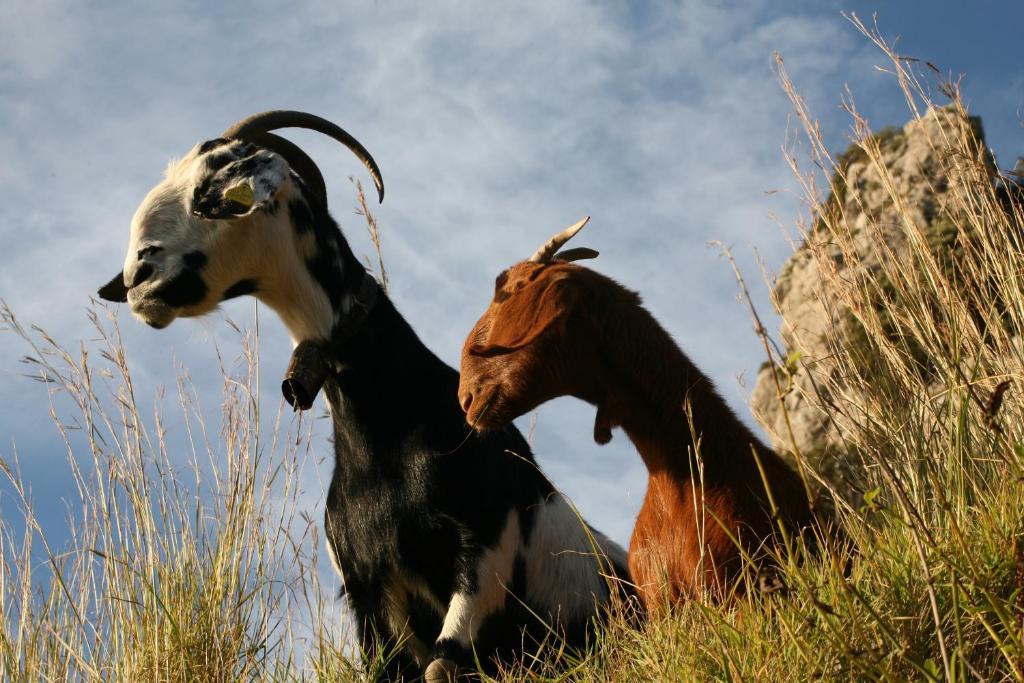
<point x="441" y="671"/>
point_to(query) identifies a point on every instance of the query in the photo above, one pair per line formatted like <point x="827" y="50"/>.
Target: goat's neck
<point x="660" y="398"/>
<point x="301" y="305"/>
<point x="309" y="278"/>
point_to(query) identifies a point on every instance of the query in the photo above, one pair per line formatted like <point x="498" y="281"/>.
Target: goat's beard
<point x="152" y="311"/>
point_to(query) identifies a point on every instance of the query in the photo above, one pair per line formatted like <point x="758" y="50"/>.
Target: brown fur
<point x="561" y="329"/>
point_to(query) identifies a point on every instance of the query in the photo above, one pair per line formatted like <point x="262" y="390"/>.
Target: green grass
<point x="209" y="572"/>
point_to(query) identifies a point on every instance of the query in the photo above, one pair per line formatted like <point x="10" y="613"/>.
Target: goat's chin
<point x="154" y="313"/>
<point x="491" y="415"/>
<point x="482" y="425"/>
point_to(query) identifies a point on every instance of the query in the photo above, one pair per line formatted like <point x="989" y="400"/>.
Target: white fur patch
<point x="564" y="561"/>
<point x="334" y="560"/>
<point x="467" y="612"/>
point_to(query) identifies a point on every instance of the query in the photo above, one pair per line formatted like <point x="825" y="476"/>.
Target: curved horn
<point x="576" y="254"/>
<point x="549" y="248"/>
<point x="258" y="126"/>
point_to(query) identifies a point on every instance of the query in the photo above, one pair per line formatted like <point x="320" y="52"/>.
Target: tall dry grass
<point x="208" y="572"/>
<point x="190" y="556"/>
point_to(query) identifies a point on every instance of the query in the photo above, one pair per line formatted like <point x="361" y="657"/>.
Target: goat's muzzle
<point x="478" y="404"/>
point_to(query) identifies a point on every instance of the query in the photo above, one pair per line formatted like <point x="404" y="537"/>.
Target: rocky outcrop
<point x="875" y="211"/>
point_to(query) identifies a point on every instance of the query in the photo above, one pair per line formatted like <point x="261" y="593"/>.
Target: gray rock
<point x="877" y="215"/>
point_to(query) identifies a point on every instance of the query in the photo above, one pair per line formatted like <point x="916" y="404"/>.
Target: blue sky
<point x="494" y="124"/>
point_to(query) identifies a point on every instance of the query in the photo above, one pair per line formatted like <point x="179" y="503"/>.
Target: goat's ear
<point x="115" y="289"/>
<point x="240" y="188"/>
<point x="525" y="315"/>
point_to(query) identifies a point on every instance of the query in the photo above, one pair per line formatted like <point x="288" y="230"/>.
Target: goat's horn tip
<point x="577" y="254"/>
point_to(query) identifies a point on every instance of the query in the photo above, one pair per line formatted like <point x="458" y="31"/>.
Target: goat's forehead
<point x="525" y="272"/>
<point x="519" y="271"/>
<point x="163" y="208"/>
<point x="159" y="199"/>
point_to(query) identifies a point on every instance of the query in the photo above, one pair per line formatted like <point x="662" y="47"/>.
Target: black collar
<point x="310" y="362"/>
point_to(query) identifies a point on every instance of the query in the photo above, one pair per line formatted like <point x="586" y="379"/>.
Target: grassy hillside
<point x="206" y="573"/>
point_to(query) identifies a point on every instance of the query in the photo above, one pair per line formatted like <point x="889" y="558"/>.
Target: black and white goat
<point x="447" y="541"/>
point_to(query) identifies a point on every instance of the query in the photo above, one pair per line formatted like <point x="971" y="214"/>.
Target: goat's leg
<point x="467" y="611"/>
<point x="480" y="592"/>
<point x="480" y="595"/>
<point x="384" y="654"/>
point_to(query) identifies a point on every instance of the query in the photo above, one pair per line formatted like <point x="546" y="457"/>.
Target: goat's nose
<point x="465" y="399"/>
<point x="143" y="272"/>
<point x="144" y="266"/>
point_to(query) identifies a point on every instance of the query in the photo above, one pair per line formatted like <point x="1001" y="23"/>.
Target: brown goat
<point x="556" y="328"/>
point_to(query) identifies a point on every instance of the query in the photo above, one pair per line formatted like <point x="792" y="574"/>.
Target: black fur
<point x="142" y="274"/>
<point x="240" y="288"/>
<point x="195" y="260"/>
<point x="187" y="287"/>
<point x="332" y="248"/>
<point x="209" y="202"/>
<point x="301" y="215"/>
<point x="211" y="144"/>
